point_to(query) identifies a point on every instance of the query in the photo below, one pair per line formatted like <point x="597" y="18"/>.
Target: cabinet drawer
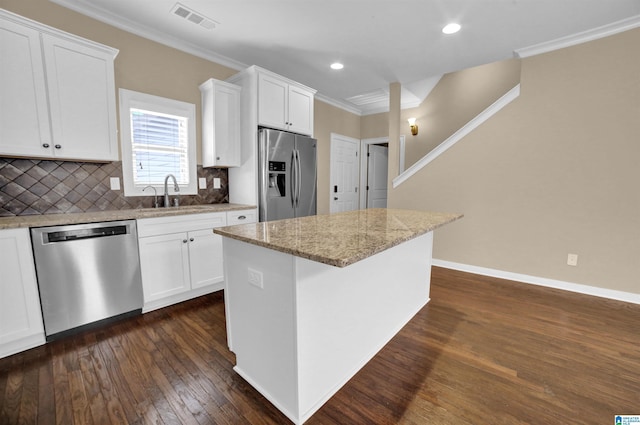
<point x="180" y="223"/>
<point x="241" y="217"/>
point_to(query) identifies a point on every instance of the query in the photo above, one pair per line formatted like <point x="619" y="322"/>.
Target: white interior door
<point x="344" y="172"/>
<point x="377" y="176"/>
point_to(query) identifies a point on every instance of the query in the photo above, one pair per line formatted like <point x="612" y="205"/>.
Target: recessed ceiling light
<point x="337" y="65"/>
<point x="451" y="28"/>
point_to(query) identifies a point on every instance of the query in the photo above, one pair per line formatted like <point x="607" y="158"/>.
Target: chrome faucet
<point x="166" y="191"/>
<point x="155" y="195"/>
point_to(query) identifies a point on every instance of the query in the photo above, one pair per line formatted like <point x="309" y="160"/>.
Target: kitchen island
<point x="309" y="301"/>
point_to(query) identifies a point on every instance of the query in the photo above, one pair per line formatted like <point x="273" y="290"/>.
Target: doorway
<point x="373" y="172"/>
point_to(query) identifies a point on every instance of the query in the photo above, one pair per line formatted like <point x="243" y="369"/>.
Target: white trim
<point x="124" y="24"/>
<point x="338" y="104"/>
<point x="401" y="151"/>
<point x="458" y="135"/>
<point x="132" y="99"/>
<point x="364" y="143"/>
<point x="579" y="38"/>
<point x="21" y="20"/>
<point x="612" y="294"/>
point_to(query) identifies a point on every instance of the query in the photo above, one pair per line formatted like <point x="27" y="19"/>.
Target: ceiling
<point x="378" y="41"/>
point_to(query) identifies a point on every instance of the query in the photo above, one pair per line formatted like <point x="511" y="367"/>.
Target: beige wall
<point x="555" y="172"/>
<point x="457" y="98"/>
<point x="141" y="65"/>
<point x="329" y="119"/>
<point x="374" y="126"/>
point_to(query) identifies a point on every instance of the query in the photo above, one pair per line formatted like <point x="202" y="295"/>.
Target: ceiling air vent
<point x="197" y="18"/>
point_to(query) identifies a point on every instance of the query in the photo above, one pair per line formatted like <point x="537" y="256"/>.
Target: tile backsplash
<point x="30" y="187"/>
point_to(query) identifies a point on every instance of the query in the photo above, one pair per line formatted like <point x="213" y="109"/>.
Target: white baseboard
<point x="183" y="296"/>
<point x="628" y="297"/>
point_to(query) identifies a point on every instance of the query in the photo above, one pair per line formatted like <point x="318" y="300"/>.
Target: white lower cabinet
<point x="21" y="325"/>
<point x="181" y="257"/>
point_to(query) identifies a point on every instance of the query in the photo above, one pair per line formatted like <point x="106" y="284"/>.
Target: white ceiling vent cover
<point x="197" y="18"/>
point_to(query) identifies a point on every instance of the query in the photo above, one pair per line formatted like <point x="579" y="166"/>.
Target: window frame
<point x="131" y="99"/>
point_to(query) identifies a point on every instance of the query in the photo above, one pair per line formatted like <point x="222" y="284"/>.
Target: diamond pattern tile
<point x="31" y="187"/>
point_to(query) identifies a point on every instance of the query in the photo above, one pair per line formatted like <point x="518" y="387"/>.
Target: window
<point x="158" y="138"/>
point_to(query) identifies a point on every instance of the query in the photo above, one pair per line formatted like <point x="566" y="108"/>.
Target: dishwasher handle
<point x="79" y="234"/>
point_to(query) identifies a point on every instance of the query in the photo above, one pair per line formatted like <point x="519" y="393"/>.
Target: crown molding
<point x="579" y="38"/>
<point x="124" y="24"/>
<point x="338" y="104"/>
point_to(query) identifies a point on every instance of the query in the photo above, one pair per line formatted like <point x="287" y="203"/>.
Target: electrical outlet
<point x="216" y="183"/>
<point x="114" y="182"/>
<point x="572" y="259"/>
<point x="202" y="183"/>
<point x="255" y="278"/>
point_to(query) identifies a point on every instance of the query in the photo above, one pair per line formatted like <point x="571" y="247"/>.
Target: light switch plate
<point x="115" y="183"/>
<point x="216" y="183"/>
<point x="202" y="183"/>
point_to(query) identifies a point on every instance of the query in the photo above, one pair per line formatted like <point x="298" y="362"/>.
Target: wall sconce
<point x="414" y="126"/>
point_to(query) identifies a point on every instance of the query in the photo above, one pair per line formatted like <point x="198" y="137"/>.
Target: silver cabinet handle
<point x="184" y="241"/>
<point x="45" y="145"/>
<point x="191" y="240"/>
<point x="242" y="217"/>
<point x="57" y="146"/>
<point x="335" y="198"/>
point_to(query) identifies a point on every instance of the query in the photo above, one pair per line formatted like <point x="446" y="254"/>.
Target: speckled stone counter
<point x="94" y="217"/>
<point x="340" y="239"/>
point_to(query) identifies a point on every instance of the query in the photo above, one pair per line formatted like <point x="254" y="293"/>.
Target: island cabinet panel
<point x="21" y="325"/>
<point x="301" y="329"/>
<point x="57" y="93"/>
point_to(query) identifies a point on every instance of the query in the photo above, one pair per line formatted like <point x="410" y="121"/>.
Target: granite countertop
<point x="340" y="239"/>
<point x="94" y="217"/>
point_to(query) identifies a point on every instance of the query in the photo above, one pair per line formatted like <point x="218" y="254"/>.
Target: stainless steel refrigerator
<point x="286" y="175"/>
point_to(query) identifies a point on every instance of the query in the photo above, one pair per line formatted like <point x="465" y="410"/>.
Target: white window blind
<point x="158" y="138"/>
<point x="160" y="146"/>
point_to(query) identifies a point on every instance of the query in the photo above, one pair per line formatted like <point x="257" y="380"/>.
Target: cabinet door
<point x="81" y="88"/>
<point x="273" y="97"/>
<point x="164" y="262"/>
<point x="205" y="256"/>
<point x="227" y="126"/>
<point x="21" y="324"/>
<point x="220" y="124"/>
<point x="300" y="111"/>
<point x="24" y="119"/>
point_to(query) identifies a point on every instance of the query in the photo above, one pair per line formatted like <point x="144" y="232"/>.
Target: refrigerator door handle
<point x="293" y="179"/>
<point x="299" y="178"/>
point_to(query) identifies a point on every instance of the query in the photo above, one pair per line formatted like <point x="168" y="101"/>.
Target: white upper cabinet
<point x="57" y="94"/>
<point x="284" y="105"/>
<point x="220" y="124"/>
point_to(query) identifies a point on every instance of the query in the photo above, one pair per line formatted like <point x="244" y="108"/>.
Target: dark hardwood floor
<point x="483" y="351"/>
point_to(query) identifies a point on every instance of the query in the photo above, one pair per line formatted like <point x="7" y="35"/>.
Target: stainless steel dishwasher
<point x="86" y="273"/>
